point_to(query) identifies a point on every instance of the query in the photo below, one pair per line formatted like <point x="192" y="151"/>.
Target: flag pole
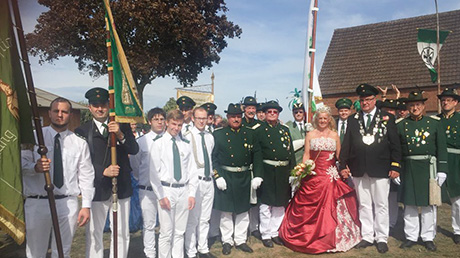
<point x="438" y="55"/>
<point x="42" y="150"/>
<point x="113" y="144"/>
<point x="312" y="62"/>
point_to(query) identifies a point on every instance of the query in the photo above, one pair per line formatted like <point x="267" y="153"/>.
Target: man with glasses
<point x="271" y="174"/>
<point x="371" y="154"/>
<point x="140" y="163"/>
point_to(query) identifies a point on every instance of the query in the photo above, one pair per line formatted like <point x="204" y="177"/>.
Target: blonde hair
<point x="324" y="110"/>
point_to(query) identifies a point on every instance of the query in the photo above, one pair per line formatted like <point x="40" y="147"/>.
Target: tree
<point x="170" y="105"/>
<point x="160" y="37"/>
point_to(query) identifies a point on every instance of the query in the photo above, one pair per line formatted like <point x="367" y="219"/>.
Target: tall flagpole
<point x="42" y="150"/>
<point x="312" y="60"/>
<point x="438" y="55"/>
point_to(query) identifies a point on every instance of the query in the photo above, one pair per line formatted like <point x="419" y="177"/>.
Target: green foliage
<point x="170" y="105"/>
<point x="85" y="114"/>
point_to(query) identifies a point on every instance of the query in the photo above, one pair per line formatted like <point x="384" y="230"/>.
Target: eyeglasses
<point x="272" y="112"/>
<point x="367" y="100"/>
<point x="298" y="111"/>
<point x="201" y="118"/>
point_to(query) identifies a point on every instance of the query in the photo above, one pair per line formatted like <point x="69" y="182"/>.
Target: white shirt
<point x="300" y="125"/>
<point x="199" y="159"/>
<point x="372" y="113"/>
<point x="184" y="129"/>
<point x="77" y="167"/>
<point x="140" y="163"/>
<point x="163" y="165"/>
<point x="339" y="129"/>
<point x="99" y="125"/>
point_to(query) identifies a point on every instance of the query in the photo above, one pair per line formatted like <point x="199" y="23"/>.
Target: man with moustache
<point x="450" y="120"/>
<point x="424" y="152"/>
<point x="72" y="173"/>
<point x="140" y="164"/>
<point x="96" y="132"/>
<point x="343" y="106"/>
<point x="232" y="156"/>
<point x="186" y="105"/>
<point x="371" y="153"/>
<point x="211" y="109"/>
<point x="249" y="106"/>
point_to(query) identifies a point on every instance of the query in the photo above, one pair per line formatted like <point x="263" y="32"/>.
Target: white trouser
<point x="198" y="220"/>
<point x="373" y="192"/>
<point x="456" y="214"/>
<point x="173" y="223"/>
<point x="39" y="226"/>
<point x="214" y="223"/>
<point x="149" y="202"/>
<point x="254" y="218"/>
<point x="239" y="229"/>
<point x="95" y="228"/>
<point x="270" y="220"/>
<point x="393" y="208"/>
<point x="412" y="223"/>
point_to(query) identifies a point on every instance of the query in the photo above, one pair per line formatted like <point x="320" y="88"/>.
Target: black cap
<point x="249" y="101"/>
<point x="449" y="93"/>
<point x="272" y="104"/>
<point x="343" y="103"/>
<point x="415" y="96"/>
<point x="233" y="109"/>
<point x="298" y="105"/>
<point x="259" y="106"/>
<point x="402" y="104"/>
<point x="364" y="90"/>
<point x="185" y="102"/>
<point x="97" y="96"/>
<point x="210" y="107"/>
<point x="389" y="103"/>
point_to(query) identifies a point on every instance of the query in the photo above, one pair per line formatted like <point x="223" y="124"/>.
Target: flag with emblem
<point x="128" y="108"/>
<point x="15" y="129"/>
<point x="428" y="48"/>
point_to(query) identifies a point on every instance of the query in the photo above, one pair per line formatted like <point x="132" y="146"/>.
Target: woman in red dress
<point x="322" y="216"/>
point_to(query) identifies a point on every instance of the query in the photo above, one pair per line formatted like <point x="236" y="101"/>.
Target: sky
<point x="267" y="60"/>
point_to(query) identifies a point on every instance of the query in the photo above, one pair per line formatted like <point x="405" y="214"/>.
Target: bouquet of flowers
<point x="300" y="171"/>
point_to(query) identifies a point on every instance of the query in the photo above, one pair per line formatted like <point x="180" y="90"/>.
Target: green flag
<point x="428" y="48"/>
<point x="15" y="129"/>
<point x="127" y="106"/>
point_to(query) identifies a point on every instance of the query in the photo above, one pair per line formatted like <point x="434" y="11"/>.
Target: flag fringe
<point x="12" y="225"/>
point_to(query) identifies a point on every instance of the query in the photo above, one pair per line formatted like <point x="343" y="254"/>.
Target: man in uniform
<point x="202" y="143"/>
<point x="260" y="112"/>
<point x="72" y="173"/>
<point x="298" y="130"/>
<point x="249" y="107"/>
<point x="343" y="106"/>
<point x="186" y="105"/>
<point x="140" y="164"/>
<point x="424" y="151"/>
<point x="232" y="156"/>
<point x="450" y="121"/>
<point x="271" y="172"/>
<point x="371" y="153"/>
<point x="96" y="133"/>
<point x="211" y="109"/>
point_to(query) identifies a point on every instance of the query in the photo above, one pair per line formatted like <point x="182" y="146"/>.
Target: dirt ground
<point x="446" y="247"/>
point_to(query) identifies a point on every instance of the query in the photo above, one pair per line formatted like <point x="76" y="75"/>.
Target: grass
<point x="444" y="242"/>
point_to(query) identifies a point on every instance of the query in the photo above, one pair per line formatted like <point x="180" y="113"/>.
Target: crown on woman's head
<point x="323" y="109"/>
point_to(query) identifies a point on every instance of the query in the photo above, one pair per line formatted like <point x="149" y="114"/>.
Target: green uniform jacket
<point x="234" y="149"/>
<point x="422" y="137"/>
<point x="296" y="134"/>
<point x="451" y="127"/>
<point x="252" y="125"/>
<point x="275" y="144"/>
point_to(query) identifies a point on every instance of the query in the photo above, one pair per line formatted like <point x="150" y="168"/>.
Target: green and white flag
<point x="428" y="49"/>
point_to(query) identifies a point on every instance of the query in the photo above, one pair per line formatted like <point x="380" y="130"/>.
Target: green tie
<point x="176" y="158"/>
<point x="105" y="133"/>
<point x="342" y="131"/>
<point x="368" y="123"/>
<point x="186" y="128"/>
<point x="207" y="167"/>
<point x="58" y="179"/>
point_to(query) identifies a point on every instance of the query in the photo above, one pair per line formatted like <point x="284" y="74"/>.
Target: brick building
<point x="386" y="53"/>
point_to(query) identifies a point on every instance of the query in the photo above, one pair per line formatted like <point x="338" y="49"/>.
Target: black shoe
<point x="267" y="243"/>
<point x="457" y="239"/>
<point x="277" y="240"/>
<point x="382" y="247"/>
<point x="226" y="249"/>
<point x="407" y="244"/>
<point x="363" y="244"/>
<point x="206" y="255"/>
<point x="245" y="248"/>
<point x="211" y="241"/>
<point x="256" y="234"/>
<point x="429" y="245"/>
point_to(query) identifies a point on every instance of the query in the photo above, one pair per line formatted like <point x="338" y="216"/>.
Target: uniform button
<point x="268" y="136"/>
<point x="271" y="142"/>
<point x="228" y="140"/>
<point x="231" y="155"/>
<point x="407" y="136"/>
<point x="273" y="150"/>
<point x="410" y="150"/>
<point x="230" y="147"/>
<point x="233" y="164"/>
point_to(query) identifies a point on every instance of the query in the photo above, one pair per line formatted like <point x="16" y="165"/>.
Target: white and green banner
<point x="428" y="48"/>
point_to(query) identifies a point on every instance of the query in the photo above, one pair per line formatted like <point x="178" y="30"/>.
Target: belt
<point x="173" y="185"/>
<point x="276" y="163"/>
<point x="433" y="168"/>
<point x="143" y="187"/>
<point x="57" y="197"/>
<point x="453" y="150"/>
<point x="236" y="169"/>
<point x="204" y="178"/>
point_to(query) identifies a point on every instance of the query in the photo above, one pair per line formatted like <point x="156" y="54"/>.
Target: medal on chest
<point x="368" y="139"/>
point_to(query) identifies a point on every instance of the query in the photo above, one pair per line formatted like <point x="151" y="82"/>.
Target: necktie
<point x="186" y="128"/>
<point x="58" y="179"/>
<point x="176" y="159"/>
<point x="209" y="129"/>
<point x="368" y="122"/>
<point x="207" y="167"/>
<point x="342" y="131"/>
<point x="105" y="133"/>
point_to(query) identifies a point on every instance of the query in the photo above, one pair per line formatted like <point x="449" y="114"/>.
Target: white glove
<point x="441" y="178"/>
<point x="256" y="182"/>
<point x="396" y="180"/>
<point x="291" y="179"/>
<point x="221" y="184"/>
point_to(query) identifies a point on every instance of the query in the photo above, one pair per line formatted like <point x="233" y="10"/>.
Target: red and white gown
<point x="323" y="215"/>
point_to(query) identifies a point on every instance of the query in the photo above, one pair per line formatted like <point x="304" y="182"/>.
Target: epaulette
<point x="157" y="137"/>
<point x="436" y="118"/>
<point x="399" y="119"/>
<point x="81" y="136"/>
<point x="255" y="126"/>
<point x="217" y="129"/>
